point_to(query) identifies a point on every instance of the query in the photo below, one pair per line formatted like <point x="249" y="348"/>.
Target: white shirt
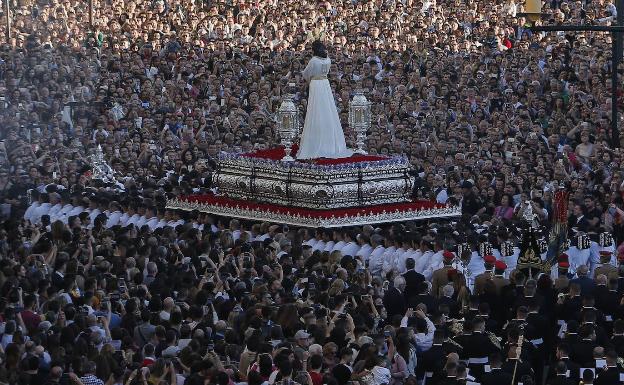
<point x="476" y="264"/>
<point x="375" y="262"/>
<point x="401" y="257"/>
<point x="141" y="221"/>
<point x="351" y="249"/>
<point x="365" y="252"/>
<point x="152" y="223"/>
<point x="123" y="219"/>
<point x="329" y="246"/>
<point x="338" y="246"/>
<point x="31" y="210"/>
<point x="319" y="245"/>
<point x="43" y="209"/>
<point x="381" y="375"/>
<point x="442" y="196"/>
<point x="311" y="242"/>
<point x="54" y="210"/>
<point x="174" y="224"/>
<point x="262" y="237"/>
<point x="62" y="213"/>
<point x="435" y="262"/>
<point x="113" y="219"/>
<point x="578" y="257"/>
<point x="415" y="255"/>
<point x="94" y="213"/>
<point x="74" y="212"/>
<point x="424" y="341"/>
<point x="388" y="259"/>
<point x="133" y="220"/>
<point x="421" y="263"/>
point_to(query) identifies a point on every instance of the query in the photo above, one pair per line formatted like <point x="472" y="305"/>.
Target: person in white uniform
<point x="322" y="135"/>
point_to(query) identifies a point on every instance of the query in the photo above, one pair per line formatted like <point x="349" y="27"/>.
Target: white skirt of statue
<point x="322" y="135"/>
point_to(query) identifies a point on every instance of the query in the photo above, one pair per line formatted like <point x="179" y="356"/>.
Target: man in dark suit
<point x="496" y="375"/>
<point x="582" y="351"/>
<point x="587" y="284"/>
<point x="58" y="276"/>
<point x="477" y="347"/>
<point x="617" y="341"/>
<point x="412" y="280"/>
<point x="393" y="299"/>
<point x="560" y="377"/>
<point x="610" y="375"/>
<point x="563" y="350"/>
<point x="423" y="297"/>
<point x="568" y="306"/>
<point x="606" y="296"/>
<point x="513" y="364"/>
<point x="451" y="374"/>
<point x="431" y="362"/>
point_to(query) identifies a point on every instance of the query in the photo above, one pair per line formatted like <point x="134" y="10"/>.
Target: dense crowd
<point x="100" y="283"/>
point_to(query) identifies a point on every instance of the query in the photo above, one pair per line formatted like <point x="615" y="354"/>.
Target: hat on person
<point x="563" y="258"/>
<point x="489" y="259"/>
<point x="563" y="264"/>
<point x="500" y="266"/>
<point x="605" y="254"/>
<point x="301" y="334"/>
<point x="448" y="256"/>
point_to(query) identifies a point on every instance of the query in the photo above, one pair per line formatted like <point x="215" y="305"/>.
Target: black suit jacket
<point x="496" y="377"/>
<point x="426" y="299"/>
<point x="573" y="367"/>
<point x="611" y="376"/>
<point x="618" y="344"/>
<point x="432" y="361"/>
<point x="560" y="380"/>
<point x="394" y="302"/>
<point x="412" y="280"/>
<point x="57" y="280"/>
<point x="522" y="369"/>
<point x="583" y="353"/>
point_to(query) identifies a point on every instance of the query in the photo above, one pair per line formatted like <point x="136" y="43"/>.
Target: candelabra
<point x="360" y="119"/>
<point x="288" y="125"/>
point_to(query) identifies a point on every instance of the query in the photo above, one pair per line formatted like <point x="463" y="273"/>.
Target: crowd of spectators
<point x="104" y="285"/>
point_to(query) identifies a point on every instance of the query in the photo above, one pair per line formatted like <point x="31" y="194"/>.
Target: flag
<point x="559" y="229"/>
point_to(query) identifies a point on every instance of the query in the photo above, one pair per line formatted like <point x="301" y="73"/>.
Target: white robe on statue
<point x="322" y="135"/>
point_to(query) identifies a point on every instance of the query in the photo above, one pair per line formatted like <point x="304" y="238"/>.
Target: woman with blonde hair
<point x="335" y="257"/>
<point x="336" y="288"/>
<point x="226" y="240"/>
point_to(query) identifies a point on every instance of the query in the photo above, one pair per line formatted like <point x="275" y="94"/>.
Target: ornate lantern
<point x="100" y="168"/>
<point x="288" y="125"/>
<point x="360" y="118"/>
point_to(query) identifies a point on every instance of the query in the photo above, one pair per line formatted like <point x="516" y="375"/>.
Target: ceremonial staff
<point x="518" y="352"/>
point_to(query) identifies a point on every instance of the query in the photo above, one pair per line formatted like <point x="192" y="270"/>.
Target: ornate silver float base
<point x="314" y="186"/>
<point x="314" y="218"/>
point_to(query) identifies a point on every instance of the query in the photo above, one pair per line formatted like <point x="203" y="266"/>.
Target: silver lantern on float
<point x="288" y="125"/>
<point x="360" y="119"/>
